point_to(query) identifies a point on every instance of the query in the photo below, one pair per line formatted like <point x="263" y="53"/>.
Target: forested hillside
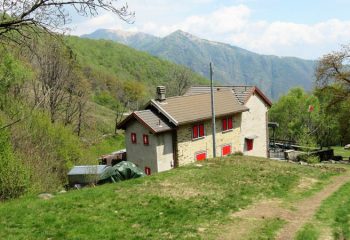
<point x="122" y="63"/>
<point x="233" y="65"/>
<point x="60" y="101"/>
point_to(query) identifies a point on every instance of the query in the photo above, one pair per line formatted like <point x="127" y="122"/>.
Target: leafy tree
<point x="12" y="74"/>
<point x="322" y="126"/>
<point x="333" y="74"/>
<point x="336" y="117"/>
<point x="292" y="113"/>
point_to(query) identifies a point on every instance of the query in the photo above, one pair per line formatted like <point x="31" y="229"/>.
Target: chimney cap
<point x="161" y="93"/>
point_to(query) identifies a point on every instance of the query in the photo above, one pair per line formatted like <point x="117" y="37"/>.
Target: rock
<point x="45" y="196"/>
<point x="62" y="191"/>
<point x="136" y="225"/>
<point x="303" y="163"/>
<point x="200" y="229"/>
<point x="347" y="146"/>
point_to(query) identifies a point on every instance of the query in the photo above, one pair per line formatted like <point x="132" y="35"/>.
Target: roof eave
<point x="122" y="125"/>
<point x="207" y="118"/>
<point x="261" y="94"/>
<point x="165" y="113"/>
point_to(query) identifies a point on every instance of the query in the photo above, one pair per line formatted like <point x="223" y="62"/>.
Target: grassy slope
<point x="340" y="151"/>
<point x="334" y="213"/>
<point x="97" y="134"/>
<point x="169" y="205"/>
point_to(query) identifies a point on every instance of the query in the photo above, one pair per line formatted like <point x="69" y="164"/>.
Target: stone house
<point x="175" y="131"/>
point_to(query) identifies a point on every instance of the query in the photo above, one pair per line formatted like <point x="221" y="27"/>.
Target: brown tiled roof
<point x="242" y="92"/>
<point x="149" y="119"/>
<point x="190" y="108"/>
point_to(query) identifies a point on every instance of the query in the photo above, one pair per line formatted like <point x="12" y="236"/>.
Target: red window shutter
<point x="145" y="139"/>
<point x="133" y="137"/>
<point x="229" y="123"/>
<point x="201" y="130"/>
<point x="226" y="150"/>
<point x="224" y="124"/>
<point x="195" y="131"/>
<point x="201" y="156"/>
<point x="148" y="171"/>
<point x="249" y="144"/>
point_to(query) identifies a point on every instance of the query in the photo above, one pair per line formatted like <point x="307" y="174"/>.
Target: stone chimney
<point x="161" y="93"/>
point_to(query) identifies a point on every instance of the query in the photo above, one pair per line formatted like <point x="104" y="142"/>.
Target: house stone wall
<point x="188" y="147"/>
<point x="254" y="122"/>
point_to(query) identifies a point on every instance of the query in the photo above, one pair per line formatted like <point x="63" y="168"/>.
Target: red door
<point x="201" y="156"/>
<point x="249" y="144"/>
<point x="226" y="150"/>
<point x="148" y="171"/>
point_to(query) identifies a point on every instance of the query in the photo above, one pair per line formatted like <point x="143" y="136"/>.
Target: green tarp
<point x="120" y="172"/>
<point x="99" y="174"/>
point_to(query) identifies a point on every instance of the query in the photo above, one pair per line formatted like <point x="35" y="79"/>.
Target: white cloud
<point x="231" y="24"/>
<point x="234" y="25"/>
<point x="105" y="20"/>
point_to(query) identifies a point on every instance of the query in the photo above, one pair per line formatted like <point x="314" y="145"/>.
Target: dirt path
<point x="302" y="212"/>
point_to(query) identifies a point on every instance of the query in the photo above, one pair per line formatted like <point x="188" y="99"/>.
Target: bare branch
<point x="52" y="15"/>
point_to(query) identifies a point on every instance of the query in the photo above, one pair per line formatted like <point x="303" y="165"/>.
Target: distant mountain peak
<point x="183" y="34"/>
<point x="122" y="32"/>
<point x="191" y="37"/>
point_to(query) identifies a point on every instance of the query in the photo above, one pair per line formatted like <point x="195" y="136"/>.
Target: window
<point x="249" y="143"/>
<point x="148" y="171"/>
<point x="198" y="131"/>
<point x="145" y="139"/>
<point x="226" y="150"/>
<point x="133" y="137"/>
<point x="227" y="123"/>
<point x="201" y="156"/>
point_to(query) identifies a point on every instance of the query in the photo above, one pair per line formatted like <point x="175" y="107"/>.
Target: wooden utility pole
<point x="212" y="110"/>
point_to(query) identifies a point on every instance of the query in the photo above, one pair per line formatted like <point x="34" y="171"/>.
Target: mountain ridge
<point x="233" y="65"/>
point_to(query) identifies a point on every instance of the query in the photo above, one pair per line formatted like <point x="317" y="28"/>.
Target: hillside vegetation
<point x="114" y="62"/>
<point x="60" y="102"/>
<point x="190" y="202"/>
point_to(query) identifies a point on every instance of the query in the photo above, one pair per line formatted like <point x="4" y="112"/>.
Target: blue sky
<point x="306" y="29"/>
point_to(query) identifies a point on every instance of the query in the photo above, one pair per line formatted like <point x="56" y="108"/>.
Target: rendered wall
<point x="254" y="122"/>
<point x="165" y="154"/>
<point x="140" y="154"/>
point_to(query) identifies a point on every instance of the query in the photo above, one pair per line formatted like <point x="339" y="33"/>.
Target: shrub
<point x="312" y="159"/>
<point x="309" y="158"/>
<point x="48" y="150"/>
<point x="106" y="99"/>
<point x="13" y="176"/>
